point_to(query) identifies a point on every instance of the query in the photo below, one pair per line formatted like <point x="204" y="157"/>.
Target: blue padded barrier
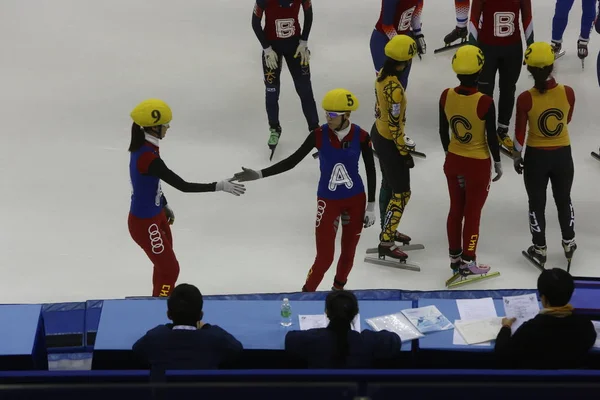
<point x="65" y="326"/>
<point x="93" y="310"/>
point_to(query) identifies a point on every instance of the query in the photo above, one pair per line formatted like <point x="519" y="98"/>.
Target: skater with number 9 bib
<point x="341" y="193"/>
<point x="494" y="28"/>
<point x="548" y="109"/>
<point x="469" y="116"/>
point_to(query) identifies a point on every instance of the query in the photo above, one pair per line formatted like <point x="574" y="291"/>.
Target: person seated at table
<point x="187" y="343"/>
<point x="338" y="346"/>
<point x="556" y="338"/>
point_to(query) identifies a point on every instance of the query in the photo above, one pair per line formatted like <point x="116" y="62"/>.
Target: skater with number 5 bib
<point x="341" y="193"/>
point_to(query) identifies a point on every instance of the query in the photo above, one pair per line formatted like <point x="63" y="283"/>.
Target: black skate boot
<point x="569" y="246"/>
<point x="537" y="255"/>
<point x="582" y="50"/>
<point x="275" y="133"/>
<point x="457" y="33"/>
<point x="389" y="249"/>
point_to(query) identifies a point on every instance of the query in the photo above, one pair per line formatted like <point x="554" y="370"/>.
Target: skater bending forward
<point x="548" y="108"/>
<point x="341" y="193"/>
<point x="389" y="141"/>
<point x="469" y="116"/>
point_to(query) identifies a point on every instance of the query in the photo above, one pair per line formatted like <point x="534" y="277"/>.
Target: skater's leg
<point x="399" y="180"/>
<point x="561" y="178"/>
<point x="561" y="19"/>
<point x="352" y="225"/>
<point x="385" y="191"/>
<point x="302" y="83"/>
<point x="378" y="42"/>
<point x="462" y="12"/>
<point x="598" y="63"/>
<point x="456" y="190"/>
<point x="153" y="235"/>
<point x="477" y="185"/>
<point x="272" y="86"/>
<point x="487" y="78"/>
<point x="588" y="17"/>
<point x="536" y="175"/>
<point x="326" y="225"/>
<point x="509" y="69"/>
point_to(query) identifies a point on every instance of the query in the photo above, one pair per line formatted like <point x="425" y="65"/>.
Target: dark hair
<point x="540" y="76"/>
<point x="185" y="305"/>
<point x="389" y="68"/>
<point x="341" y="307"/>
<point x="137" y="137"/>
<point x="469" y="80"/>
<point x="557" y="286"/>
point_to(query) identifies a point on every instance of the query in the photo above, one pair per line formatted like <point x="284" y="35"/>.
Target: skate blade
<point x="533" y="261"/>
<point x="450" y="47"/>
<point x="477" y="278"/>
<point x="596" y="156"/>
<point x="272" y="153"/>
<point x="417" y="154"/>
<point x="568" y="264"/>
<point x="559" y="54"/>
<point x="393" y="264"/>
<point x="506" y="152"/>
<point x="452" y="279"/>
<point x="407" y="247"/>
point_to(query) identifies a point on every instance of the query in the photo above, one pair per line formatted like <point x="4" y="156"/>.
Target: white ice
<point x="72" y="70"/>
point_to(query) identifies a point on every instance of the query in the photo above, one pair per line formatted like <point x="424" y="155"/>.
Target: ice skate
<point x="411" y="145"/>
<point x="274" y="134"/>
<point x="400" y="238"/>
<point x="398" y="258"/>
<point x="456" y="34"/>
<point x="506" y="143"/>
<point x="558" y="51"/>
<point x="582" y="50"/>
<point x="536" y="255"/>
<point x="569" y="246"/>
<point x="471" y="271"/>
<point x="455" y="263"/>
<point x="596" y="155"/>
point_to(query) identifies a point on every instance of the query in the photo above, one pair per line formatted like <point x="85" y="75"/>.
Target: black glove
<point x="518" y="163"/>
<point x="170" y="215"/>
<point x="409" y="162"/>
<point x="421" y="45"/>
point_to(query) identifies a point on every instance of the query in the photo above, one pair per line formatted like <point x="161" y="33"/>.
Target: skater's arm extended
<point x="308" y="19"/>
<point x="487" y="111"/>
<point x="444" y="124"/>
<point x="474" y="18"/>
<point x="159" y="169"/>
<point x="367" y="154"/>
<point x="293" y="160"/>
<point x="524" y="104"/>
<point x="388" y="14"/>
<point x="527" y="19"/>
<point x="257" y="14"/>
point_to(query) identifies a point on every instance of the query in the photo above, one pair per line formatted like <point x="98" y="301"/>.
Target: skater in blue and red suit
<point x="149" y="214"/>
<point x="597" y="24"/>
<point x="281" y="38"/>
<point x="561" y="20"/>
<point x="341" y="193"/>
<point x="461" y="7"/>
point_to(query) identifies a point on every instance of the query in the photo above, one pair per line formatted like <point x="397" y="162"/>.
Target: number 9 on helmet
<point x="340" y="100"/>
<point x="401" y="48"/>
<point x="151" y="112"/>
<point x="468" y="60"/>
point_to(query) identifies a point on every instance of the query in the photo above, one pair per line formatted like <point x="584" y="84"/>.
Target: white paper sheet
<point x="479" y="331"/>
<point x="458" y="340"/>
<point x="597" y="326"/>
<point x="470" y="309"/>
<point x="321" y="321"/>
<point x="523" y="308"/>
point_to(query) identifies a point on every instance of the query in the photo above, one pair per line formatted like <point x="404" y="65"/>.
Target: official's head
<point x="556" y="287"/>
<point x="467" y="64"/>
<point x="338" y="104"/>
<point x="341" y="307"/>
<point x="185" y="305"/>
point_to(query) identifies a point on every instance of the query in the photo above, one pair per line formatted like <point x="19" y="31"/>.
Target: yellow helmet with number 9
<point x="152" y="112"/>
<point x="340" y="100"/>
<point x="401" y="48"/>
<point x="468" y="60"/>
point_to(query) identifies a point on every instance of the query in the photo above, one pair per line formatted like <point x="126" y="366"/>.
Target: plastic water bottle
<point x="286" y="313"/>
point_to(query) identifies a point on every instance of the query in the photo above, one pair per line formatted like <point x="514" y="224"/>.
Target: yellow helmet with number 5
<point x="401" y="48"/>
<point x="152" y="112"/>
<point x="468" y="60"/>
<point x="539" y="55"/>
<point x="340" y="100"/>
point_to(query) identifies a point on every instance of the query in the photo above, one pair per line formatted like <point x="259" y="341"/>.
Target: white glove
<point x="230" y="187"/>
<point x="303" y="52"/>
<point x="271" y="58"/>
<point x="247" y="174"/>
<point x="170" y="215"/>
<point x="370" y="215"/>
<point x="498" y="169"/>
<point x="421" y="45"/>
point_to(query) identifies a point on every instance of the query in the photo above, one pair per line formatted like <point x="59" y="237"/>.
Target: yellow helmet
<point x="401" y="48"/>
<point x="539" y="54"/>
<point x="152" y="112"/>
<point x="468" y="60"/>
<point x="340" y="100"/>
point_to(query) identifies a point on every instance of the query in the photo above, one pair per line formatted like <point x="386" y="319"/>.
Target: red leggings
<point x="352" y="213"/>
<point x="468" y="185"/>
<point x="153" y="235"/>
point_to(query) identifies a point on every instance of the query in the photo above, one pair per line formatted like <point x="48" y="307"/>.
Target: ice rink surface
<point x="72" y="70"/>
